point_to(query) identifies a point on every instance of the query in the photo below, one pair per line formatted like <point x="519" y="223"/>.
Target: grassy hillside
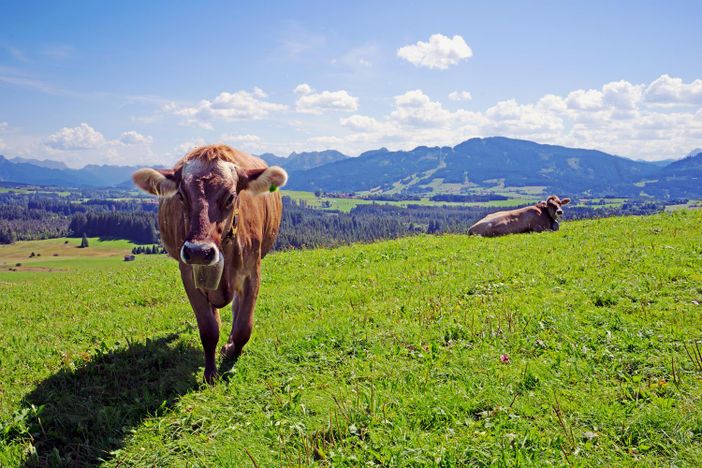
<point x="565" y="347"/>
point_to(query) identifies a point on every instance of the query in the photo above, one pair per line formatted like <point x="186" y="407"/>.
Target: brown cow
<point x="218" y="219"/>
<point x="543" y="216"/>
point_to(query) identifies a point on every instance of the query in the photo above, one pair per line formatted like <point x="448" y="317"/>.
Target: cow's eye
<point x="180" y="195"/>
<point x="229" y="200"/>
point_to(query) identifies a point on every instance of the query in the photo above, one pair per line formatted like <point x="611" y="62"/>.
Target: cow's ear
<point x="542" y="204"/>
<point x="262" y="180"/>
<point x="565" y="201"/>
<point x="159" y="182"/>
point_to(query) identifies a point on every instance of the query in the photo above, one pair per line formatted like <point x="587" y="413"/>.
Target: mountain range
<point x="475" y="164"/>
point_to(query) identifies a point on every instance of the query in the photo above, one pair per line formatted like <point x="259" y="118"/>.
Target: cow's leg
<point x="242" y="316"/>
<point x="207" y="317"/>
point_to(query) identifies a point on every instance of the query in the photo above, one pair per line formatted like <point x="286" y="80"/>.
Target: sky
<point x="137" y="83"/>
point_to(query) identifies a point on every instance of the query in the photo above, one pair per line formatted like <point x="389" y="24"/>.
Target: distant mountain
<point x="304" y="161"/>
<point x="659" y="162"/>
<point x="47" y="163"/>
<point x="482" y="162"/>
<point x="478" y="163"/>
<point x="17" y="170"/>
<point x="31" y="174"/>
<point x="107" y="176"/>
<point x="679" y="179"/>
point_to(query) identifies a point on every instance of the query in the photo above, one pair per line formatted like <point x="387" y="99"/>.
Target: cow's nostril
<point x="185" y="253"/>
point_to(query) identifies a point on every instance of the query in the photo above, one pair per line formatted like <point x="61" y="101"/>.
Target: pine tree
<point x="84" y="242"/>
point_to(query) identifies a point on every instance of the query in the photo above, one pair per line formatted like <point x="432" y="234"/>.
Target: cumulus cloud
<point x="245" y="141"/>
<point x="460" y="96"/>
<point x="241" y="138"/>
<point x="667" y="90"/>
<point x="303" y="88"/>
<point x="619" y="118"/>
<point x="622" y="94"/>
<point x="134" y="138"/>
<point x="416" y="109"/>
<point x="439" y="52"/>
<point x="240" y="105"/>
<point x="361" y="123"/>
<point x="189" y="145"/>
<point x="318" y="102"/>
<point x="585" y="99"/>
<point x="82" y="137"/>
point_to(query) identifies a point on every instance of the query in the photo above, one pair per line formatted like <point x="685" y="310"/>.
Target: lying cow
<point x="543" y="216"/>
<point x="218" y="219"/>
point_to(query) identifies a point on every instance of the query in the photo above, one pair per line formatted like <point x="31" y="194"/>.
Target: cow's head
<point x="554" y="206"/>
<point x="207" y="183"/>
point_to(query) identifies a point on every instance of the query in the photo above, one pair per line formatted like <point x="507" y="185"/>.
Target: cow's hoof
<point x="210" y="376"/>
<point x="230" y="351"/>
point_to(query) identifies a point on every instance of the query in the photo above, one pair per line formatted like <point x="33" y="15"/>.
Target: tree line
<point x="136" y="226"/>
<point x="31" y="217"/>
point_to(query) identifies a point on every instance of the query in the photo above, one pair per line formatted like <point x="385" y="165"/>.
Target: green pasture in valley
<point x="347" y="204"/>
<point x="575" y="347"/>
<point x="31" y="259"/>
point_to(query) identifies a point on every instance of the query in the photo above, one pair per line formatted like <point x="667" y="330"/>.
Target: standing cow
<point x="218" y="219"/>
<point x="543" y="216"/>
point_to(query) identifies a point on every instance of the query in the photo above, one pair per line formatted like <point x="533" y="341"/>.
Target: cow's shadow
<point x="83" y="415"/>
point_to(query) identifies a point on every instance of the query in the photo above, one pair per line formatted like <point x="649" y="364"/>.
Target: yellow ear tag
<point x="272" y="188"/>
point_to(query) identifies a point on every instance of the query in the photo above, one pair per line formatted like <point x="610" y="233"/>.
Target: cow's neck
<point x="232" y="225"/>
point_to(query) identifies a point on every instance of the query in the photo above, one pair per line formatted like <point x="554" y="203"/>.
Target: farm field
<point x="574" y="347"/>
<point x="347" y="204"/>
<point x="58" y="255"/>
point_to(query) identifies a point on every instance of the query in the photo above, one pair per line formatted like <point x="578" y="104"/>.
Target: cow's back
<point x="504" y="222"/>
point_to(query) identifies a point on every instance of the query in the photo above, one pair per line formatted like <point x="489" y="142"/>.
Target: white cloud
<point x="317" y="103"/>
<point x="3" y="126"/>
<point x="189" y="145"/>
<point x="617" y="118"/>
<point x="134" y="138"/>
<point x="240" y="105"/>
<point x="241" y="138"/>
<point x="82" y="137"/>
<point x="460" y="96"/>
<point x="414" y="108"/>
<point x="585" y="100"/>
<point x="303" y="88"/>
<point x="622" y="94"/>
<point x="440" y="52"/>
<point x="246" y="141"/>
<point x="361" y="123"/>
<point x="667" y="90"/>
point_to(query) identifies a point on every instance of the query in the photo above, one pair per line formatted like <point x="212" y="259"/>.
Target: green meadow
<point x="578" y="347"/>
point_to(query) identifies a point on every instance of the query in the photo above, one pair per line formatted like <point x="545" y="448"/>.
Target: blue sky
<point x="141" y="82"/>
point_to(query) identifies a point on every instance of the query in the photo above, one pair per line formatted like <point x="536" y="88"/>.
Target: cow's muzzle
<point x="199" y="253"/>
<point x="207" y="263"/>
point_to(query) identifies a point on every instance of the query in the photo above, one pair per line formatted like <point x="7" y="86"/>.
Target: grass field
<point x="58" y="255"/>
<point x="575" y="347"/>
